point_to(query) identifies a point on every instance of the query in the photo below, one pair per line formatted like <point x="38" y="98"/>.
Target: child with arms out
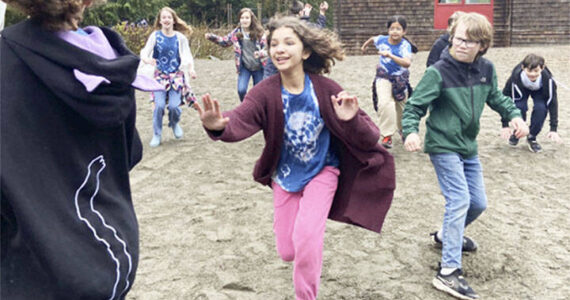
<point x="321" y="155"/>
<point x="455" y="90"/>
<point x="248" y="40"/>
<point x="532" y="78"/>
<point x="389" y="91"/>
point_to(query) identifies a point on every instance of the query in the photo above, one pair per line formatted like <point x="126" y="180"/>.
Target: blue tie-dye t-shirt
<point x="403" y="50"/>
<point x="306" y="142"/>
<point x="166" y="53"/>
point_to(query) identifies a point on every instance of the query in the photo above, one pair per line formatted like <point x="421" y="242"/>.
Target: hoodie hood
<point x="53" y="60"/>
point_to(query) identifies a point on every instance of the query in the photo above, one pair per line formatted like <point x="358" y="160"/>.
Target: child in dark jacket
<point x="321" y="155"/>
<point x="455" y="90"/>
<point x="442" y="41"/>
<point x="532" y="78"/>
<point x="69" y="229"/>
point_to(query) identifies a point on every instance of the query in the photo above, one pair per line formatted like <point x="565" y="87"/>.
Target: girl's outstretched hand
<point x="210" y="115"/>
<point x="345" y="106"/>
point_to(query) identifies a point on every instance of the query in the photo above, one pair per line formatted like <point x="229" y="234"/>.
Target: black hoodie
<point x="514" y="88"/>
<point x="69" y="229"/>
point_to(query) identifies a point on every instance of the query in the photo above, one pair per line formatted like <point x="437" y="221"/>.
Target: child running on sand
<point x="455" y="90"/>
<point x="168" y="50"/>
<point x="248" y="40"/>
<point x="321" y="155"/>
<point x="389" y="92"/>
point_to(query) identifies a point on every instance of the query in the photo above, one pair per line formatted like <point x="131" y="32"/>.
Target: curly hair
<point x="54" y="15"/>
<point x="179" y="24"/>
<point x="323" y="43"/>
<point x="255" y="28"/>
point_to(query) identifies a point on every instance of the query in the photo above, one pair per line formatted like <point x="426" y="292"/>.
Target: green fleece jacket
<point x="455" y="94"/>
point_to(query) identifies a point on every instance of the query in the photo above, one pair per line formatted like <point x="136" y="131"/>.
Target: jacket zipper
<point x="471" y="90"/>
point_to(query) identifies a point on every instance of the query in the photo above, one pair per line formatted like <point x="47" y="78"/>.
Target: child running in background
<point x="389" y="90"/>
<point x="248" y="40"/>
<point x="532" y="78"/>
<point x="442" y="42"/>
<point x="455" y="90"/>
<point x="69" y="229"/>
<point x="296" y="8"/>
<point x="321" y="155"/>
<point x="167" y="49"/>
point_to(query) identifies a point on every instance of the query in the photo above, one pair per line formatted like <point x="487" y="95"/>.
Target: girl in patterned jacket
<point x="168" y="50"/>
<point x="248" y="40"/>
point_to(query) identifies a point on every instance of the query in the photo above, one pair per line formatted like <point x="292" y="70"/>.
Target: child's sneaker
<point x="387" y="142"/>
<point x="513" y="140"/>
<point x="155" y="142"/>
<point x="534" y="146"/>
<point x="454" y="284"/>
<point x="177" y="131"/>
<point x="469" y="245"/>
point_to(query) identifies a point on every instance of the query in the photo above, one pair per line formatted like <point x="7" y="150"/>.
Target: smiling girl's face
<point x="287" y="51"/>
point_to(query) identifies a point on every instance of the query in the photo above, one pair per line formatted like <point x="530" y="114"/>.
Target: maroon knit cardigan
<point x="367" y="172"/>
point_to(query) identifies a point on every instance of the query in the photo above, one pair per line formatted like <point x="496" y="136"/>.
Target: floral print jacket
<point x="232" y="40"/>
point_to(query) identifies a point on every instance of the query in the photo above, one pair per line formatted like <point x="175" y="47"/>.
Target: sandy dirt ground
<point x="206" y="226"/>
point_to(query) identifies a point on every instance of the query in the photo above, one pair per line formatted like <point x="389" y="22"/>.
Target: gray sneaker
<point x="454" y="284"/>
<point x="469" y="245"/>
<point x="513" y="140"/>
<point x="534" y="146"/>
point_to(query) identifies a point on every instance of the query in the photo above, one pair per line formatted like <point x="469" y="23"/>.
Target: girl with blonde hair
<point x="168" y="50"/>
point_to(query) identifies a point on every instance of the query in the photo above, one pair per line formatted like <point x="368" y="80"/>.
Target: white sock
<point x="447" y="271"/>
<point x="439" y="235"/>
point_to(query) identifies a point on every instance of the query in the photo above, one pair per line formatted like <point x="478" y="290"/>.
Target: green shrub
<point x="136" y="36"/>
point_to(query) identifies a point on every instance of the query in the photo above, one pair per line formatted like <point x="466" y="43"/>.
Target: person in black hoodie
<point x="442" y="41"/>
<point x="68" y="225"/>
<point x="532" y="78"/>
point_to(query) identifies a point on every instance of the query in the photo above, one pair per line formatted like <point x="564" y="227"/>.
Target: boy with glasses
<point x="455" y="90"/>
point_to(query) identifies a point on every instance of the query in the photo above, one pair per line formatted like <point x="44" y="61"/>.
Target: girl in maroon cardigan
<point x="321" y="157"/>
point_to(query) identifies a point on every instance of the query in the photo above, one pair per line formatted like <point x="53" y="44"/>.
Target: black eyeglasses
<point x="468" y="43"/>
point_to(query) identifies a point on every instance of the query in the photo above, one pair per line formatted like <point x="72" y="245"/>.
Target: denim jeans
<point x="243" y="79"/>
<point x="461" y="182"/>
<point x="174" y="111"/>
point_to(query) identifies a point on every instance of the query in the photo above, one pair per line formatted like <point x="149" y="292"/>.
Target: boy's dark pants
<point x="539" y="110"/>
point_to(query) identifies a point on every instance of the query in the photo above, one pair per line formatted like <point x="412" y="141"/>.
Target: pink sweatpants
<point x="299" y="226"/>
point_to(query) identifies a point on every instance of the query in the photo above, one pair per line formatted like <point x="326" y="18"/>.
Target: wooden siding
<point x="540" y="22"/>
<point x="516" y="22"/>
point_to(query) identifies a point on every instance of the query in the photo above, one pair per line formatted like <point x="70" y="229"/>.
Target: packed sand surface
<point x="206" y="226"/>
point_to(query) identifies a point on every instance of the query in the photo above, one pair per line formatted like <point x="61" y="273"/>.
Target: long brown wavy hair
<point x="323" y="43"/>
<point x="54" y="15"/>
<point x="255" y="28"/>
<point x="179" y="24"/>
